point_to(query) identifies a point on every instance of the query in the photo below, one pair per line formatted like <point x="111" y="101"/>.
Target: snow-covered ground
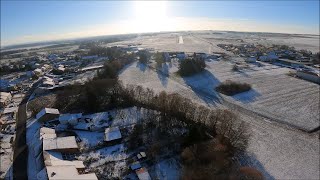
<point x="32" y="128"/>
<point x="166" y="169"/>
<point x="280" y="152"/>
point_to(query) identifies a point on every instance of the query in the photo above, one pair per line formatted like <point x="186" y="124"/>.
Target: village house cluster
<point x="58" y="142"/>
<point x="303" y="61"/>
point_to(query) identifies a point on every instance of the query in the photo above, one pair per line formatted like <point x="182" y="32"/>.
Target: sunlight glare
<point x="150" y="16"/>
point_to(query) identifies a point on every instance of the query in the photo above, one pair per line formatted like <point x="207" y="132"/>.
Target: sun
<point x="150" y="16"/>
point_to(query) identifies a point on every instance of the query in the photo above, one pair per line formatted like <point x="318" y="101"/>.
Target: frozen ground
<point x="166" y="169"/>
<point x="281" y="97"/>
<point x="279" y="152"/>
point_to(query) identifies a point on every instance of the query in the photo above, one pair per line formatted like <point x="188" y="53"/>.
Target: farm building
<point x="47" y="114"/>
<point x="5" y="98"/>
<point x="112" y="133"/>
<point x="181" y="55"/>
<point x="290" y="63"/>
<point x="309" y="76"/>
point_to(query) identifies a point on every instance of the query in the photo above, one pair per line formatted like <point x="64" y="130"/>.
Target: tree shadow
<point x="243" y="73"/>
<point x="204" y="84"/>
<point x="9" y="174"/>
<point x="163" y="74"/>
<point x="246" y="159"/>
<point x="247" y="97"/>
<point x="125" y="67"/>
<point x="141" y="66"/>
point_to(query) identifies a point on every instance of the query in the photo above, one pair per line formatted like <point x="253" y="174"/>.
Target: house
<point x="181" y="55"/>
<point x="10" y="112"/>
<point x="309" y="76"/>
<point x="66" y="172"/>
<point x="50" y="161"/>
<point x="71" y="119"/>
<point x="47" y="114"/>
<point x="54" y="167"/>
<point x="112" y="133"/>
<point x="143" y="174"/>
<point x="89" y="57"/>
<point x="61" y="144"/>
<point x="141" y="155"/>
<point x="135" y="166"/>
<point x="5" y="98"/>
<point x="251" y="59"/>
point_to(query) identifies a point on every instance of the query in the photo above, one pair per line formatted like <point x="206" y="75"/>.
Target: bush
<point x="235" y="68"/>
<point x="192" y="66"/>
<point x="231" y="88"/>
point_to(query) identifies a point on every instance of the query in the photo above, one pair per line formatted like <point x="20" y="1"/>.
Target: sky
<point x="33" y="21"/>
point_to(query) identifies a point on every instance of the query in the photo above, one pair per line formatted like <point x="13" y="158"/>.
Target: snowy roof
<point x="112" y="133"/>
<point x="135" y="165"/>
<point x="143" y="174"/>
<point x="67" y="117"/>
<point x="4" y="96"/>
<point x="60" y="143"/>
<point x="55" y="159"/>
<point x="10" y="110"/>
<point x="67" y="172"/>
<point x="47" y="111"/>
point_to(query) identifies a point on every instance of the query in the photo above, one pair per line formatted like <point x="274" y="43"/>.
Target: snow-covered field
<point x="278" y="151"/>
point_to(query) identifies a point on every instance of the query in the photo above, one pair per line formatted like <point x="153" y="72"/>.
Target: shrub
<point x="235" y="68"/>
<point x="231" y="88"/>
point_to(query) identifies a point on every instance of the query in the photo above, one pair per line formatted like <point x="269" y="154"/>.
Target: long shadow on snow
<point x="141" y="66"/>
<point x="247" y="97"/>
<point x="203" y="84"/>
<point x="163" y="74"/>
<point x="245" y="159"/>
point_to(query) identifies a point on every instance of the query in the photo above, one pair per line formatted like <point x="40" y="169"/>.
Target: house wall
<point x="48" y="117"/>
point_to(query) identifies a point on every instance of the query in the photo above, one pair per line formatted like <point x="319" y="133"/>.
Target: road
<point x="20" y="156"/>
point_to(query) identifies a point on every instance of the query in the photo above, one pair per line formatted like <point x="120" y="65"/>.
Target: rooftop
<point x="112" y="133"/>
<point x="60" y="143"/>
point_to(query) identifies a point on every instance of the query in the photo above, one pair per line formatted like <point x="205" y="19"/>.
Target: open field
<point x="275" y="150"/>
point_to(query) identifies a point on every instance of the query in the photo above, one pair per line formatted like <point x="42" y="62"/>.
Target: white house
<point x="47" y="114"/>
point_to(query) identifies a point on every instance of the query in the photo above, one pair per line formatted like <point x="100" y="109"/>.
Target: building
<point x="5" y="98"/>
<point x="38" y="72"/>
<point x="71" y="119"/>
<point x="251" y="59"/>
<point x="50" y="161"/>
<point x="47" y="114"/>
<point x="143" y="174"/>
<point x="112" y="134"/>
<point x="181" y="55"/>
<point x="61" y="144"/>
<point x="309" y="76"/>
